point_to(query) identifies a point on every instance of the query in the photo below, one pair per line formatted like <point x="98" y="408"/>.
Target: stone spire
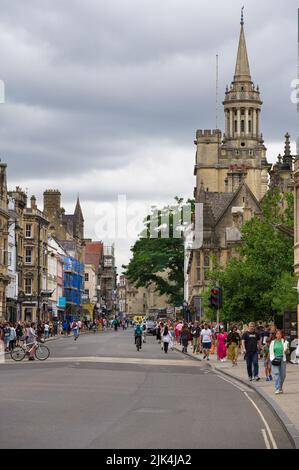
<point x="78" y="210"/>
<point x="242" y="72"/>
<point x="287" y="158"/>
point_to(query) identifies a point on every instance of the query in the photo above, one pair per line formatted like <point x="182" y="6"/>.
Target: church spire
<point x="242" y="72"/>
<point x="78" y="210"/>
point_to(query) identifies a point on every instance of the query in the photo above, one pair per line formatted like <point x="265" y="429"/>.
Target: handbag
<point x="276" y="361"/>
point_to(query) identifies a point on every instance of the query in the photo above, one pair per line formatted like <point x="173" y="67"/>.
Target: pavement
<point x="286" y="406"/>
<point x="99" y="392"/>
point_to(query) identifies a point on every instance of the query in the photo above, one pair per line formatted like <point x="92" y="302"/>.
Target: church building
<point x="232" y="174"/>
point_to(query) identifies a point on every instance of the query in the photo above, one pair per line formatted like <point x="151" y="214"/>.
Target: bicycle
<point x="41" y="351"/>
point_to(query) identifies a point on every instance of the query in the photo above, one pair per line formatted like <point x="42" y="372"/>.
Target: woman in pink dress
<point x="221" y="344"/>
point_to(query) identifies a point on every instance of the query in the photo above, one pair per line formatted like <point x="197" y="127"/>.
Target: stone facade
<point x="139" y="301"/>
<point x="68" y="229"/>
<point x="296" y="216"/>
<point x="232" y="176"/>
<point x="4" y="218"/>
<point x="35" y="271"/>
<point x="223" y="164"/>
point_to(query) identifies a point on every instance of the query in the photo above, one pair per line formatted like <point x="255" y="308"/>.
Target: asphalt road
<point x="99" y="392"/>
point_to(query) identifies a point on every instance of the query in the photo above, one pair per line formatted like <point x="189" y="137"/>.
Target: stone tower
<point x="241" y="156"/>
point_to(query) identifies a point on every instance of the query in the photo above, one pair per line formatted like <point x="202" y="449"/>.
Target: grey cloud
<point x="90" y="83"/>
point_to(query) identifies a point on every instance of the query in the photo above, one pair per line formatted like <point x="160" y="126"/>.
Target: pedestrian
<point x="206" y="336"/>
<point x="6" y="336"/>
<point x="184" y="337"/>
<point x="75" y="329"/>
<point x="46" y="330"/>
<point x="161" y="335"/>
<point x="31" y="336"/>
<point x="267" y="362"/>
<point x="158" y="332"/>
<point x="177" y="331"/>
<point x="40" y="330"/>
<point x="166" y="338"/>
<point x="13" y="337"/>
<point x="279" y="348"/>
<point x="251" y="344"/>
<point x="221" y="338"/>
<point x="19" y="333"/>
<point x="297" y="353"/>
<point x="196" y="330"/>
<point x="233" y="345"/>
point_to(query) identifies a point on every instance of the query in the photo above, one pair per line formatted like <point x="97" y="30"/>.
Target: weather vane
<point x="242" y="15"/>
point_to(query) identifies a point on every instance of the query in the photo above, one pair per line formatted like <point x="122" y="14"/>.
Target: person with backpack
<point x="184" y="335"/>
<point x="138" y="333"/>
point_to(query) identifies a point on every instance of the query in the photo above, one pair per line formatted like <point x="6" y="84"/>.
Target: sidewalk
<point x="286" y="405"/>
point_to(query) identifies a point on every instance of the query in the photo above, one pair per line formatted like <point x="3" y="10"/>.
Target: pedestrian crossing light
<point x="216" y="298"/>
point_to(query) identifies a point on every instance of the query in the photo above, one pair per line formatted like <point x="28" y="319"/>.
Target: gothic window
<point x="198" y="270"/>
<point x="206" y="266"/>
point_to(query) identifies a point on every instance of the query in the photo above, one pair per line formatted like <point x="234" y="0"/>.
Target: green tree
<point x="260" y="283"/>
<point x="160" y="260"/>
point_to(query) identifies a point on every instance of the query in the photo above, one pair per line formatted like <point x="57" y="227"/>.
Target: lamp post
<point x="186" y="310"/>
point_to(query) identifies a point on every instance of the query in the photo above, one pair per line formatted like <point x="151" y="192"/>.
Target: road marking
<point x="232" y="383"/>
<point x="264" y="421"/>
<point x="117" y="360"/>
<point x="258" y="410"/>
<point x="267" y="443"/>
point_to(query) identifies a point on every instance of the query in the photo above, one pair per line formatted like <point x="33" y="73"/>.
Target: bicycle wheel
<point x="42" y="352"/>
<point x="18" y="353"/>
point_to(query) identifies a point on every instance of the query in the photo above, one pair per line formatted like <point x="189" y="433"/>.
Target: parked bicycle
<point x="41" y="351"/>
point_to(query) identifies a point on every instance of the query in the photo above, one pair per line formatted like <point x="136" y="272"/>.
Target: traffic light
<point x="216" y="298"/>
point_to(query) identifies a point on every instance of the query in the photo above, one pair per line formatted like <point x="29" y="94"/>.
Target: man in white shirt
<point x="206" y="337"/>
<point x="46" y="330"/>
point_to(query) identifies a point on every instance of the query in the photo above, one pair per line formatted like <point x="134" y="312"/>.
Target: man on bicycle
<point x="138" y="333"/>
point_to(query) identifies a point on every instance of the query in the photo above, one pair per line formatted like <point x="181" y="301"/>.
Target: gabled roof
<point x="217" y="204"/>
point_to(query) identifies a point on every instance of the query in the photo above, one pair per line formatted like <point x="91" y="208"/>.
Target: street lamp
<point x="186" y="310"/>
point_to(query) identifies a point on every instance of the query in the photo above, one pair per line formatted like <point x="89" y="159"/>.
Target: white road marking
<point x="257" y="408"/>
<point x="232" y="383"/>
<point x="116" y="360"/>
<point x="266" y="439"/>
<point x="264" y="421"/>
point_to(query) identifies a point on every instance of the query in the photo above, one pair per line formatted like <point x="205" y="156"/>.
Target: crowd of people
<point x="12" y="334"/>
<point x="253" y="342"/>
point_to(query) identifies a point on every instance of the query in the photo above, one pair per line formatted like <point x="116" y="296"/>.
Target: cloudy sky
<point x="104" y="98"/>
